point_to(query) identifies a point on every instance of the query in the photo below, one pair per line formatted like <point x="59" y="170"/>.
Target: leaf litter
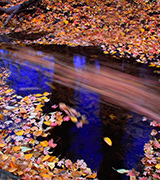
<point x="21" y="152"/>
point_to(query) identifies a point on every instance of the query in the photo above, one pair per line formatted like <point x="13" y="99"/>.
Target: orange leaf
<point x="93" y="176"/>
<point x="16" y="148"/>
<point x="28" y="156"/>
<point x="13" y="165"/>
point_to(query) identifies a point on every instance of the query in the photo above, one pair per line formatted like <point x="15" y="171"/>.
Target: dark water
<point x="126" y="130"/>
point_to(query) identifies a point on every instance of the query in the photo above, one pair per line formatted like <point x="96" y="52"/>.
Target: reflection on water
<point x="92" y="83"/>
<point x="86" y="142"/>
<point x="26" y="78"/>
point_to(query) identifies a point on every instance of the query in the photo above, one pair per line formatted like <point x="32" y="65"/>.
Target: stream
<point x="105" y="119"/>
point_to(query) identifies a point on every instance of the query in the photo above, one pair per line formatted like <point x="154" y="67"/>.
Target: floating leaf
<point x="4" y="157"/>
<point x="48" y="123"/>
<point x="51" y="165"/>
<point x="108" y="141"/>
<point x="92" y="176"/>
<point x="157" y="166"/>
<point x="46" y="158"/>
<point x="12" y="170"/>
<point x="2" y="145"/>
<point x="76" y="173"/>
<point x="38" y="95"/>
<point x="25" y="148"/>
<point x="121" y="171"/>
<point x="74" y="119"/>
<point x="19" y="133"/>
<point x="16" y="148"/>
<point x="28" y="156"/>
<point x="44" y="143"/>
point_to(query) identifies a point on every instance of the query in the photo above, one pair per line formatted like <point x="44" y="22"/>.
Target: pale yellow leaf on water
<point x="108" y="141"/>
<point x="51" y="165"/>
<point x="74" y="119"/>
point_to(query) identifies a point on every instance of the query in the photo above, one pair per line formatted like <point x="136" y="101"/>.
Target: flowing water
<point x="113" y="94"/>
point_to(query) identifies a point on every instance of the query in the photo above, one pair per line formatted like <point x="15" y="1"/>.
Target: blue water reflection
<point x="86" y="141"/>
<point x="27" y="78"/>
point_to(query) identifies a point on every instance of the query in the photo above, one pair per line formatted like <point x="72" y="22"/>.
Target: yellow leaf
<point x="51" y="165"/>
<point x="8" y="91"/>
<point x="106" y="52"/>
<point x="74" y="119"/>
<point x="108" y="141"/>
<point x="45" y="94"/>
<point x="157" y="166"/>
<point x="4" y="157"/>
<point x="16" y="148"/>
<point x="46" y="158"/>
<point x="44" y="143"/>
<point x="152" y="65"/>
<point x="32" y="141"/>
<point x="48" y="123"/>
<point x="19" y="133"/>
<point x="65" y="22"/>
<point x="28" y="156"/>
<point x="2" y="145"/>
<point x="38" y="95"/>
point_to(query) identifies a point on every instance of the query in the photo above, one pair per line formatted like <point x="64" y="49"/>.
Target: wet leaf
<point x="46" y="158"/>
<point x="157" y="166"/>
<point x="16" y="148"/>
<point x="28" y="156"/>
<point x="51" y="165"/>
<point x="2" y="145"/>
<point x="44" y="143"/>
<point x="25" y="148"/>
<point x="108" y="141"/>
<point x="19" y="133"/>
<point x="121" y="171"/>
<point x="74" y="119"/>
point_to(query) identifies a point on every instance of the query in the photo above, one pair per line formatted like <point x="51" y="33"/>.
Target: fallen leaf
<point x="108" y="141"/>
<point x="74" y="119"/>
<point x="28" y="156"/>
<point x="51" y="165"/>
<point x="44" y="143"/>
